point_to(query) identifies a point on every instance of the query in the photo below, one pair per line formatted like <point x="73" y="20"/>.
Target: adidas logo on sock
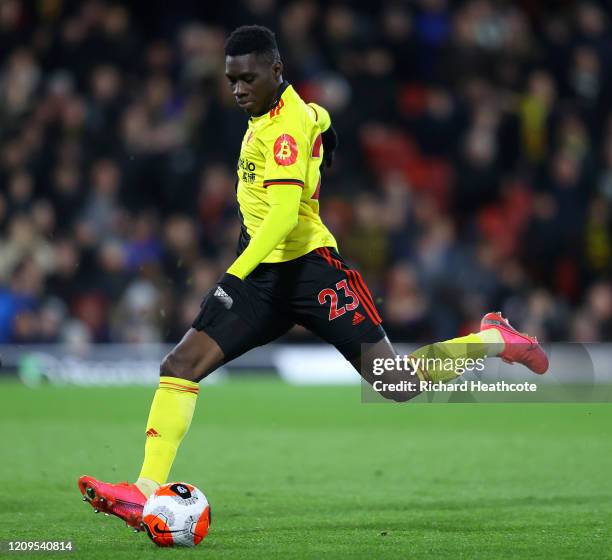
<point x="357" y="318"/>
<point x="152" y="432"/>
<point x="222" y="296"/>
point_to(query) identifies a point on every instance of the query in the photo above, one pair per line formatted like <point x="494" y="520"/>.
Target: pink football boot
<point x="518" y="347"/>
<point x="124" y="500"/>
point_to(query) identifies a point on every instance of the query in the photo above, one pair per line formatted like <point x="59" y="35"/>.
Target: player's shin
<point x="169" y="419"/>
<point x="444" y="361"/>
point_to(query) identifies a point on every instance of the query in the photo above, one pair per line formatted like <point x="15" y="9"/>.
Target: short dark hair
<point x="252" y="39"/>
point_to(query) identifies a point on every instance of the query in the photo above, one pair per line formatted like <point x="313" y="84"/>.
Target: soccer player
<point x="288" y="272"/>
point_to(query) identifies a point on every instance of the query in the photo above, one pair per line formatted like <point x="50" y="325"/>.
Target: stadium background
<point x="474" y="173"/>
<point x="474" y="170"/>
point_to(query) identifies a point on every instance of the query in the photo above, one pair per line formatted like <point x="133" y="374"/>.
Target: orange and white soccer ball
<point x="177" y="514"/>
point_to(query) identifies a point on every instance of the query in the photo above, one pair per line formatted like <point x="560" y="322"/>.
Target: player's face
<point x="254" y="81"/>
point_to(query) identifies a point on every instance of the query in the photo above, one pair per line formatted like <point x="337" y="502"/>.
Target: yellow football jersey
<point x="284" y="147"/>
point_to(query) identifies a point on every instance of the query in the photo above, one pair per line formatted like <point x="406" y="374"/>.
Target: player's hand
<point x="330" y="143"/>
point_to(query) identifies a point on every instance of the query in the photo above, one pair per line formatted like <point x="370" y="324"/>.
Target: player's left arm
<point x="285" y="172"/>
<point x="282" y="217"/>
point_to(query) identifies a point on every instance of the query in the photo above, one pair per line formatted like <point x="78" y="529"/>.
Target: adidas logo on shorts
<point x="358" y="318"/>
<point x="222" y="296"/>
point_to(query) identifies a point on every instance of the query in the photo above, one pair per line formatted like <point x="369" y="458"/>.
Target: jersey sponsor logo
<point x="246" y="170"/>
<point x="285" y="150"/>
<point x="246" y="164"/>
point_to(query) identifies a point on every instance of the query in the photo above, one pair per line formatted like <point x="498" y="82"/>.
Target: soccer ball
<point x="177" y="514"/>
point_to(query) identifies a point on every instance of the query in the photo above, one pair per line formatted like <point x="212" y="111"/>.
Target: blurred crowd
<point x="474" y="171"/>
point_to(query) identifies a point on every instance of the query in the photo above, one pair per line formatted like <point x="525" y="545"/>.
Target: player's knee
<point x="175" y="365"/>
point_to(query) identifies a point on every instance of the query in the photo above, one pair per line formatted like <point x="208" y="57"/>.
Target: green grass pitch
<point x="310" y="472"/>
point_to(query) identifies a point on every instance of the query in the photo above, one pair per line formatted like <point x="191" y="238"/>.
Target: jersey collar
<point x="281" y="90"/>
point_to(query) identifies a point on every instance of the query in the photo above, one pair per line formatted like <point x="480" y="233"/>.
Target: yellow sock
<point x="146" y="486"/>
<point x="169" y="419"/>
<point x="441" y="355"/>
<point x="493" y="341"/>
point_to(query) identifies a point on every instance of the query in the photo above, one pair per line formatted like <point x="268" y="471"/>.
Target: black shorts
<point x="317" y="291"/>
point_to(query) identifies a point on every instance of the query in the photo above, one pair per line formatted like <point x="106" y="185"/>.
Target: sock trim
<point x="179" y="388"/>
<point x="178" y="384"/>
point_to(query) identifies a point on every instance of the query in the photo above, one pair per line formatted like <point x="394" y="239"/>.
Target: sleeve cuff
<point x="270" y="182"/>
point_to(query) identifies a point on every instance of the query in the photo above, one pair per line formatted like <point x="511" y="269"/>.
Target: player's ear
<point x="277" y="69"/>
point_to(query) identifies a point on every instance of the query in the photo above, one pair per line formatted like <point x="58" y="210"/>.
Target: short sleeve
<point x="321" y="116"/>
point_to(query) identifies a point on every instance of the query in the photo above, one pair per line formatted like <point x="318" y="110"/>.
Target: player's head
<point x="253" y="67"/>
